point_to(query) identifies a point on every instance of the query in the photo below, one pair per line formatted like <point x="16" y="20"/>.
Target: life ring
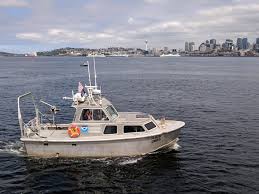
<point x="73" y="131"/>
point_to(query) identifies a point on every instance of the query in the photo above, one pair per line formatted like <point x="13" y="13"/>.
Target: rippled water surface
<point x="218" y="151"/>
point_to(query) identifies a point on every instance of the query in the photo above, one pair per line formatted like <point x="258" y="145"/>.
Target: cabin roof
<point x="97" y="103"/>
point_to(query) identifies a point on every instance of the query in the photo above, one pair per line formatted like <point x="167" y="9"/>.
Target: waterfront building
<point x="217" y="47"/>
<point x="165" y="49"/>
<point x="239" y="44"/>
<point x="212" y="46"/>
<point x="155" y="51"/>
<point x="203" y="47"/>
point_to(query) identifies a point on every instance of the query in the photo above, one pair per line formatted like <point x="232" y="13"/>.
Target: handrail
<point x="20" y="119"/>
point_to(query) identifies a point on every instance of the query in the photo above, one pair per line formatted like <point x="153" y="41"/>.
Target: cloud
<point x="13" y="3"/>
<point x="55" y="36"/>
<point x="29" y="36"/>
<point x="230" y="10"/>
<point x="128" y="23"/>
<point x="153" y="1"/>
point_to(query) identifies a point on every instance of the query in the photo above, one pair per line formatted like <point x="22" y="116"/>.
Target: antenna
<point x="95" y="76"/>
<point x="89" y="75"/>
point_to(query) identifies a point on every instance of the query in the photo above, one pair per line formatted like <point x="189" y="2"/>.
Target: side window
<point x="110" y="129"/>
<point x="130" y="129"/>
<point x="150" y="125"/>
<point x="87" y="114"/>
<point x="98" y="114"/>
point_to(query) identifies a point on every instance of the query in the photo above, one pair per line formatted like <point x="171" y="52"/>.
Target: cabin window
<point x="150" y="125"/>
<point x="110" y="129"/>
<point x="131" y="129"/>
<point x="87" y="115"/>
<point x="112" y="111"/>
<point x="93" y="114"/>
<point x="98" y="114"/>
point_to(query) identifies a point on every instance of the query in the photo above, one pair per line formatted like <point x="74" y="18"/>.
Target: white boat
<point x="170" y="55"/>
<point x="96" y="55"/>
<point x="96" y="130"/>
<point x="118" y="55"/>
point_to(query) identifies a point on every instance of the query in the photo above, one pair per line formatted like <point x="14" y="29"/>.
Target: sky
<point x="40" y="25"/>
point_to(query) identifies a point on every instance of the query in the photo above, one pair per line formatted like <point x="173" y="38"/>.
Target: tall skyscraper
<point x="257" y="45"/>
<point x="245" y="43"/>
<point x="212" y="41"/>
<point x="228" y="45"/>
<point x="191" y="46"/>
<point x="239" y="44"/>
<point x="186" y="48"/>
<point x="146" y="45"/>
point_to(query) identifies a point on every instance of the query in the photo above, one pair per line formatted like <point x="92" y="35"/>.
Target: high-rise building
<point x="228" y="45"/>
<point x="239" y="44"/>
<point x="257" y="45"/>
<point x="245" y="44"/>
<point x="213" y="41"/>
<point x="146" y="45"/>
<point x="212" y="44"/>
<point x="191" y="46"/>
<point x="186" y="48"/>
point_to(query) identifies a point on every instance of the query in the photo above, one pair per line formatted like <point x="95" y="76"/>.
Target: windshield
<point x="112" y="111"/>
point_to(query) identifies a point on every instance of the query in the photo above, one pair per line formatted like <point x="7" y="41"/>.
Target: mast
<point x="95" y="76"/>
<point x="89" y="74"/>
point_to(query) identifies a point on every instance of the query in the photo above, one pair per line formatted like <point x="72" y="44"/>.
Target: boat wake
<point x="168" y="148"/>
<point x="129" y="160"/>
<point x="119" y="160"/>
<point x="12" y="147"/>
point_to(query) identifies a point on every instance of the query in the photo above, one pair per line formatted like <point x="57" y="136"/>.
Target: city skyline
<point x="31" y="25"/>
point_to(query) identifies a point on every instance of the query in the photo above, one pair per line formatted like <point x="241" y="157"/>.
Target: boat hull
<point x="106" y="148"/>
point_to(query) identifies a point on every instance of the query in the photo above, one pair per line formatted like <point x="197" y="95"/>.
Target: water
<point x="218" y="151"/>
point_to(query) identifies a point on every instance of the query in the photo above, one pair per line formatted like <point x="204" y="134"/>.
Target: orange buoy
<point x="73" y="131"/>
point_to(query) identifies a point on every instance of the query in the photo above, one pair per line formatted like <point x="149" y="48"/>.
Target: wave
<point x="12" y="147"/>
<point x="129" y="160"/>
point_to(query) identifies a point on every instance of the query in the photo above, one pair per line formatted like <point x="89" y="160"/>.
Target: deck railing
<point x="32" y="123"/>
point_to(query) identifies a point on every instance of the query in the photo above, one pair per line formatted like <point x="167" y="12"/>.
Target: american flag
<point x="81" y="89"/>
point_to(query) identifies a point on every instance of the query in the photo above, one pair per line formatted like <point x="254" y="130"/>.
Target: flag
<point x="81" y="89"/>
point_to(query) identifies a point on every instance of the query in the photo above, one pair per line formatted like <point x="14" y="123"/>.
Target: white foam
<point x="12" y="147"/>
<point x="126" y="161"/>
<point x="176" y="146"/>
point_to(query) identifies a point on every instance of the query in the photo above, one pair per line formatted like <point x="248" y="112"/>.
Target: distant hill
<point x="5" y="54"/>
